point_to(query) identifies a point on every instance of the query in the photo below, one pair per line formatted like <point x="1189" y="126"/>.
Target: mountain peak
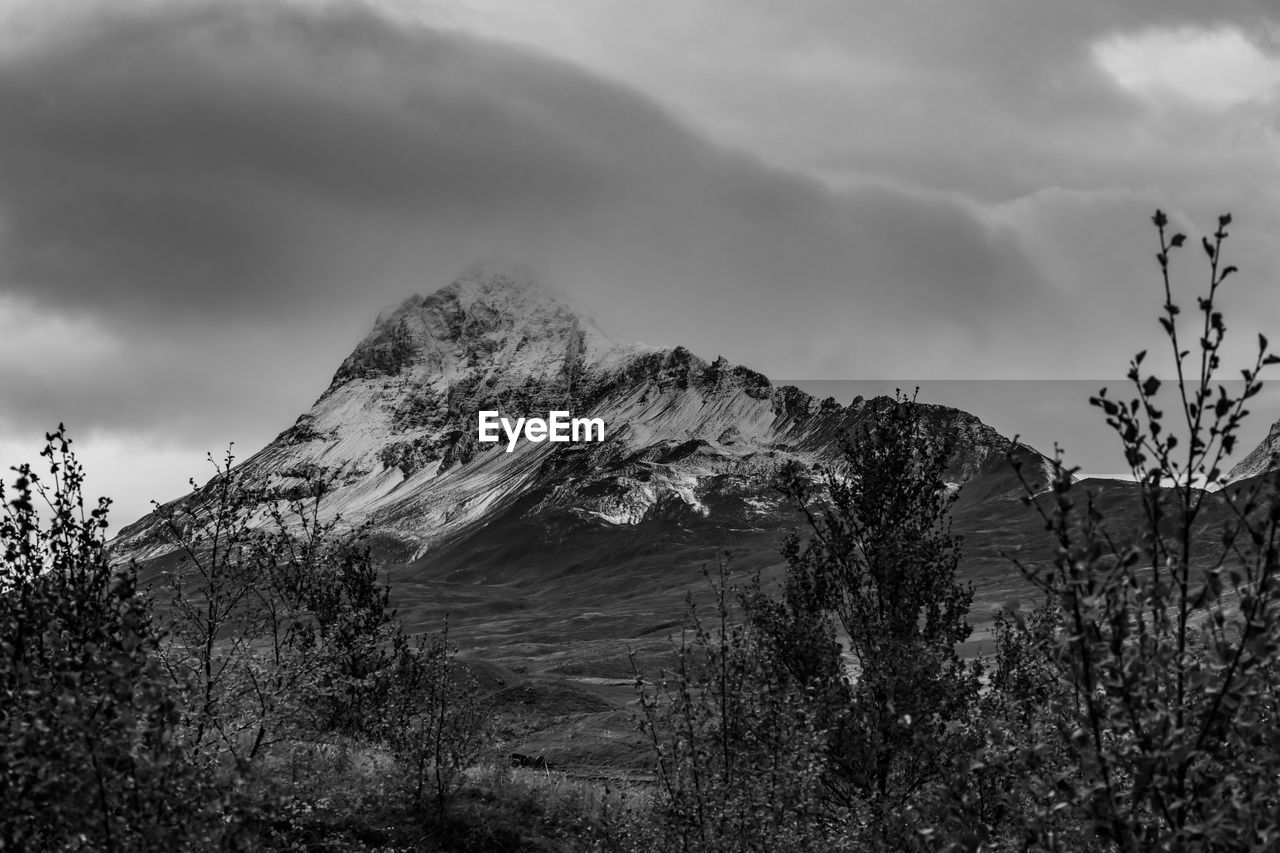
<point x="491" y="317"/>
<point x="497" y="285"/>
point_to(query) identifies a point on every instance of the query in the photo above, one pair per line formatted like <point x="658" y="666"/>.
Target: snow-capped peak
<point x="493" y="317"/>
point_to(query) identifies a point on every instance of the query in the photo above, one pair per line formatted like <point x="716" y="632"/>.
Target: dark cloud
<point x="231" y="194"/>
<point x="201" y="154"/>
<point x="203" y="208"/>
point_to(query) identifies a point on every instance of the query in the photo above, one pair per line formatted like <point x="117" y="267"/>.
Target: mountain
<point x="560" y="565"/>
<point x="686" y="440"/>
<point x="564" y="559"/>
<point x="560" y="551"/>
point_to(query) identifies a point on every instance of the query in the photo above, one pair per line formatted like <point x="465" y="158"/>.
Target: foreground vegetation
<point x="262" y="695"/>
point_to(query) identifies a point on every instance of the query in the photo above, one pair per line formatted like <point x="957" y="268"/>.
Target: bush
<point x="1002" y="789"/>
<point x="1168" y="629"/>
<point x="276" y="628"/>
<point x="88" y="754"/>
<point x="880" y="565"/>
<point x="433" y="719"/>
<point x="284" y="635"/>
<point x="117" y="736"/>
<point x="739" y="760"/>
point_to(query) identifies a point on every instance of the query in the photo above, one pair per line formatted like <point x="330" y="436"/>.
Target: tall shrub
<point x="88" y="754"/>
<point x="880" y="563"/>
<point x="738" y="755"/>
<point x="1170" y="624"/>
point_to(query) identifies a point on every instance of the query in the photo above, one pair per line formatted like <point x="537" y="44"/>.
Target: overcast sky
<point x="203" y="206"/>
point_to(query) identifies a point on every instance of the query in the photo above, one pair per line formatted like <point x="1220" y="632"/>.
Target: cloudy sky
<point x="203" y="206"/>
